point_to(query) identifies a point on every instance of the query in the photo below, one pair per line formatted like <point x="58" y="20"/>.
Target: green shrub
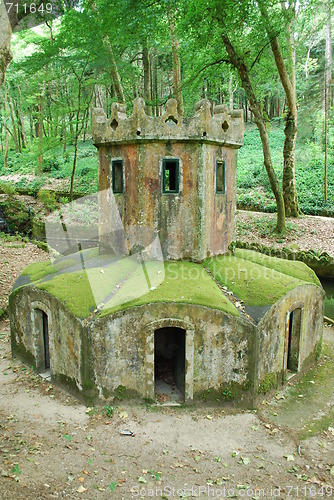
<point x="48" y="198"/>
<point x="18" y="217"/>
<point x="7" y="188"/>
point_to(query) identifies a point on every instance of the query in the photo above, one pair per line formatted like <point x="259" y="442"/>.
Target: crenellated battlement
<point x="222" y="127"/>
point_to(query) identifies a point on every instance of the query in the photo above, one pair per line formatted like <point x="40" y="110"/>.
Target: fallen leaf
<point x="112" y="486"/>
<point x="81" y="489"/>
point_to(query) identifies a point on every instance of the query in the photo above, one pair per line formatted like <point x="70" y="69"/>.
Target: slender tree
<point x="289" y="85"/>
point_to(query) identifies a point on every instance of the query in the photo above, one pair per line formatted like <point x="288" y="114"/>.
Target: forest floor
<point x="304" y="233"/>
<point x="52" y="446"/>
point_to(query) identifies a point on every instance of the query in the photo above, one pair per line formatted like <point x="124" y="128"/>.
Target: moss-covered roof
<point x="86" y="281"/>
<point x="257" y="279"/>
<point x="120" y="284"/>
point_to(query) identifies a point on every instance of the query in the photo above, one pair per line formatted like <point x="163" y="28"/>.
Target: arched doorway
<point x="42" y="331"/>
<point x="170" y="363"/>
<point x="293" y="340"/>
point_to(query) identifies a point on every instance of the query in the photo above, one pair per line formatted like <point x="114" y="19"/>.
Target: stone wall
<point x="273" y="332"/>
<point x="194" y="222"/>
<point x="66" y="334"/>
<point x="98" y="356"/>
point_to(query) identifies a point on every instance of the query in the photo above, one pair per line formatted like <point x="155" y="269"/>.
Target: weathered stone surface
<point x="222" y="126"/>
<point x="218" y="348"/>
<point x="98" y="356"/>
<point x="196" y="221"/>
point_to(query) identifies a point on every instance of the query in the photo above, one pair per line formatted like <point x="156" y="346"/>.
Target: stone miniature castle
<point x="217" y="324"/>
<point x="175" y="175"/>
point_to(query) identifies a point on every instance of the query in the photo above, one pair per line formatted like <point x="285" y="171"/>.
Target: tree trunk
<point x="155" y="96"/>
<point x="5" y="37"/>
<point x="40" y="135"/>
<point x="230" y="90"/>
<point x="260" y="122"/>
<point x="328" y="80"/>
<point x="115" y="78"/>
<point x="328" y="54"/>
<point x="6" y="132"/>
<point x="290" y="130"/>
<point x="147" y="79"/>
<point x="20" y="119"/>
<point x="5" y="156"/>
<point x="16" y="141"/>
<point x="176" y="61"/>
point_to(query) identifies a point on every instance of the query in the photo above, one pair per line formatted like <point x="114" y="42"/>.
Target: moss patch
<point x="255" y="278"/>
<point x="255" y="284"/>
<point x="184" y="282"/>
<point x="38" y="270"/>
<point x="73" y="289"/>
<point x="127" y="283"/>
<point x="307" y="406"/>
<point x="295" y="269"/>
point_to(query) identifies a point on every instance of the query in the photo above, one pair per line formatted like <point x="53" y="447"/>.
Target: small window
<point x="117" y="176"/>
<point x="170" y="176"/>
<point x="220" y="176"/>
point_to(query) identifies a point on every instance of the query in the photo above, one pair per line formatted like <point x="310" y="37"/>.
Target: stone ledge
<point x="220" y="126"/>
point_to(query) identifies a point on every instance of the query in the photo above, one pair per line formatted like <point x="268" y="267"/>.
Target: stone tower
<point x="171" y="174"/>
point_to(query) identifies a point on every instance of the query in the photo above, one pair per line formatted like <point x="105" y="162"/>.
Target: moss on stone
<point x="117" y="285"/>
<point x="73" y="289"/>
<point x="295" y="269"/>
<point x="184" y="282"/>
<point x="38" y="270"/>
<point x="255" y="284"/>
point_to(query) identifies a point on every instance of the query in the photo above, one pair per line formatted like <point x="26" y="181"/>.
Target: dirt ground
<point x="304" y="233"/>
<point x="53" y="447"/>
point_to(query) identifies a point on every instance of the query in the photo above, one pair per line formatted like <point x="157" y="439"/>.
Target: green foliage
<point x="18" y="217"/>
<point x="30" y="186"/>
<point x="48" y="199"/>
<point x="8" y="238"/>
<point x="253" y="189"/>
<point x="268" y="383"/>
<point x="109" y="411"/>
<point x="7" y="188"/>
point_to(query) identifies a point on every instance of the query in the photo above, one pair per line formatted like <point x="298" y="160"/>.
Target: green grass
<point x="254" y="283"/>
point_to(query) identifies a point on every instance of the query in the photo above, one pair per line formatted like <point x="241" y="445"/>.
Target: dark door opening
<point x="169" y="361"/>
<point x="46" y="341"/>
<point x="294" y="340"/>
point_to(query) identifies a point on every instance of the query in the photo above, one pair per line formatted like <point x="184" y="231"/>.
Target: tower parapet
<point x="175" y="176"/>
<point x="220" y="126"/>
